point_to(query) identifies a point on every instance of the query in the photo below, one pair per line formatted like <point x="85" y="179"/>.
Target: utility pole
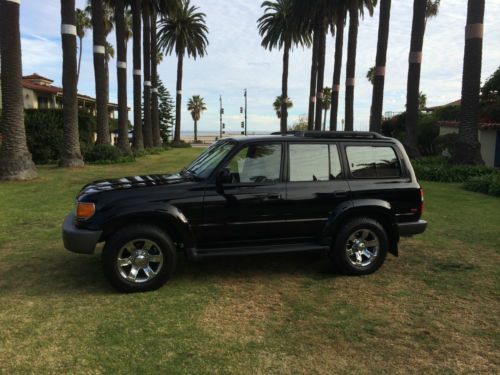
<point x="221" y="112"/>
<point x="246" y="122"/>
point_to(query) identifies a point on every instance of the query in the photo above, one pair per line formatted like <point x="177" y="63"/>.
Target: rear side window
<point x="373" y="162"/>
<point x="314" y="162"/>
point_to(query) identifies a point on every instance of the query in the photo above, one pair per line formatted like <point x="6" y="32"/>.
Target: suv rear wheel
<point x="139" y="258"/>
<point x="360" y="247"/>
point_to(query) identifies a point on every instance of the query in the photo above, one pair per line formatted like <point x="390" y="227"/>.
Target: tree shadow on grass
<point x="58" y="272"/>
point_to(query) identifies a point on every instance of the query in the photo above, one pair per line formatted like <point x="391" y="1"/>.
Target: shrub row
<point x="489" y="184"/>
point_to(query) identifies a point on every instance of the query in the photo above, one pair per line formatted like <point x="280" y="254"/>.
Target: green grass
<point x="434" y="309"/>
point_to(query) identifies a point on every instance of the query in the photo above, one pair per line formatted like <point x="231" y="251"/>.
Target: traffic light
<point x="222" y="111"/>
<point x="243" y="124"/>
<point x="223" y="125"/>
<point x="242" y="133"/>
<point x="241" y="109"/>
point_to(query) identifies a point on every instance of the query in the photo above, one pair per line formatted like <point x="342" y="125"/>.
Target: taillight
<point x="421" y="209"/>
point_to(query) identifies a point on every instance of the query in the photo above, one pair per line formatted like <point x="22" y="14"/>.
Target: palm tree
<point x="146" y="24"/>
<point x="122" y="35"/>
<point x="356" y="9"/>
<point x="196" y="106"/>
<point x="70" y="154"/>
<point x="422" y="101"/>
<point x="185" y="32"/>
<point x="469" y="150"/>
<point x="15" y="160"/>
<point x="370" y="75"/>
<point x="138" y="140"/>
<point x="278" y="31"/>
<point x="83" y="23"/>
<point x="379" y="69"/>
<point x="337" y="69"/>
<point x="327" y="102"/>
<point x="422" y="10"/>
<point x="155" y="114"/>
<point x="101" y="86"/>
<point x="278" y="104"/>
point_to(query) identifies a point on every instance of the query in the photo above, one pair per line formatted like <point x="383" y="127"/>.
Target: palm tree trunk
<point x="379" y="79"/>
<point x="146" y="20"/>
<point x="321" y="74"/>
<point x="195" y="131"/>
<point x="324" y="121"/>
<point x="70" y="154"/>
<point x="80" y="51"/>
<point x="121" y="71"/>
<point x="284" y="88"/>
<point x="415" y="63"/>
<point x="155" y="114"/>
<point x="101" y="87"/>
<point x="469" y="148"/>
<point x="138" y="141"/>
<point x="314" y="76"/>
<point x="351" y="65"/>
<point x="15" y="160"/>
<point x="337" y="70"/>
<point x="178" y="99"/>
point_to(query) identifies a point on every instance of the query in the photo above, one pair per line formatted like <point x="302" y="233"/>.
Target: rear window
<point x="373" y="162"/>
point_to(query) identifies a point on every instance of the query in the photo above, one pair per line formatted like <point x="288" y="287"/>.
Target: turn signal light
<point x="84" y="210"/>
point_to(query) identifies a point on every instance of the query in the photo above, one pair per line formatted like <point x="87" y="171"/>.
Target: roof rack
<point x="333" y="134"/>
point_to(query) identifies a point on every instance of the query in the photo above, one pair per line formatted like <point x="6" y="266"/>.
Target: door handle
<point x="340" y="194"/>
<point x="274" y="196"/>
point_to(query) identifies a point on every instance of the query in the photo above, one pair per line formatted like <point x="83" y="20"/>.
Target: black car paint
<point x="200" y="214"/>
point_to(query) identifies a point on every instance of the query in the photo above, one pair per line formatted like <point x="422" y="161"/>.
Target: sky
<point x="236" y="60"/>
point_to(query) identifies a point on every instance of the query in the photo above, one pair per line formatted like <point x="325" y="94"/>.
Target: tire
<point x="148" y="258"/>
<point x="354" y="242"/>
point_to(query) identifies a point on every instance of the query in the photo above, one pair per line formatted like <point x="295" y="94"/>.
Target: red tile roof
<point x="35" y="76"/>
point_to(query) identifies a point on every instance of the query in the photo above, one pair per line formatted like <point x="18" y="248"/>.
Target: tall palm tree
<point x="71" y="155"/>
<point x="101" y="86"/>
<point x="184" y="32"/>
<point x="356" y="10"/>
<point x="138" y="140"/>
<point x="370" y="75"/>
<point x="121" y="71"/>
<point x="15" y="160"/>
<point x="422" y="10"/>
<point x="340" y="20"/>
<point x="278" y="30"/>
<point x="277" y="105"/>
<point x="379" y="69"/>
<point x="83" y="23"/>
<point x="469" y="150"/>
<point x="146" y="43"/>
<point x="196" y="106"/>
<point x="327" y="102"/>
<point x="155" y="114"/>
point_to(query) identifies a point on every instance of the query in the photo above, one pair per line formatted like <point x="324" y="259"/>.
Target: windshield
<point x="204" y="164"/>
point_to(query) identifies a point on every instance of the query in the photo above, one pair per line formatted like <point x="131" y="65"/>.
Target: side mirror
<point x="223" y="177"/>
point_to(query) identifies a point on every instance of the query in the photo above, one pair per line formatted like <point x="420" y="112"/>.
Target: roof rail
<point x="333" y="134"/>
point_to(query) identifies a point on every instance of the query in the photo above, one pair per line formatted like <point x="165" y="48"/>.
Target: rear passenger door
<point x="315" y="187"/>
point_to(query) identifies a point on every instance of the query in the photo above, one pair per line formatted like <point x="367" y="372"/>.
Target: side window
<point x="373" y="161"/>
<point x="309" y="162"/>
<point x="256" y="163"/>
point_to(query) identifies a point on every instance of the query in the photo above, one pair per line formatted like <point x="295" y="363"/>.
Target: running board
<point x="196" y="254"/>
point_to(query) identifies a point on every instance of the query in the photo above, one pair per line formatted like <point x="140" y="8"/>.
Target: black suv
<point x="351" y="194"/>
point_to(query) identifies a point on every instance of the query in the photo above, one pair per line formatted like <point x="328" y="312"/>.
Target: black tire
<point x="339" y="254"/>
<point x="128" y="234"/>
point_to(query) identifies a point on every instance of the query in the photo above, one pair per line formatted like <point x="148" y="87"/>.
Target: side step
<point x="197" y="254"/>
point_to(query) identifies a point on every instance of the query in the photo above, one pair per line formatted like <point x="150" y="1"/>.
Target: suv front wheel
<point x="360" y="247"/>
<point x="138" y="258"/>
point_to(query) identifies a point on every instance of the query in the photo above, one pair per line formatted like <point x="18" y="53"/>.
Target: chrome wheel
<point x="362" y="248"/>
<point x="139" y="261"/>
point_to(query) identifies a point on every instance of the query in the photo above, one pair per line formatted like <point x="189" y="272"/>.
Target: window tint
<point x="373" y="162"/>
<point x="256" y="163"/>
<point x="314" y="162"/>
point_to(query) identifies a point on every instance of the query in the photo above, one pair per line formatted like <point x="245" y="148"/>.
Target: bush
<point x="489" y="184"/>
<point x="106" y="154"/>
<point x="44" y="133"/>
<point x="150" y="151"/>
<point x="179" y="144"/>
<point x="442" y="170"/>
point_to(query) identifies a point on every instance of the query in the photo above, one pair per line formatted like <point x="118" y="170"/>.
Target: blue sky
<point x="236" y="61"/>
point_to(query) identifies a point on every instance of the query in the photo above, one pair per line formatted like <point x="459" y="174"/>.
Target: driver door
<point x="250" y="209"/>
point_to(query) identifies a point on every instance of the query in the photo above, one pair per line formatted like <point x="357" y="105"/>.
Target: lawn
<point x="434" y="309"/>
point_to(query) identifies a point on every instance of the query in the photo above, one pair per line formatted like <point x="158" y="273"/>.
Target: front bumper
<point x="410" y="229"/>
<point x="78" y="240"/>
